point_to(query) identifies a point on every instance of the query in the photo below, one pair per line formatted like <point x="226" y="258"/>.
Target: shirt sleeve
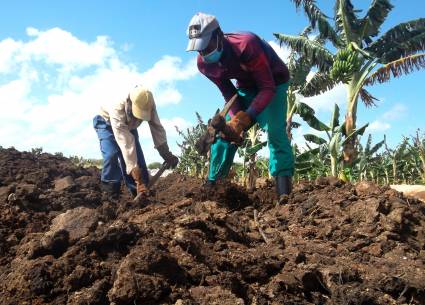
<point x="255" y="61"/>
<point x="123" y="136"/>
<point x="159" y="135"/>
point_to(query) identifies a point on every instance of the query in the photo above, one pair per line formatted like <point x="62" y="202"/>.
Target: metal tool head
<point x="216" y="124"/>
<point x="153" y="180"/>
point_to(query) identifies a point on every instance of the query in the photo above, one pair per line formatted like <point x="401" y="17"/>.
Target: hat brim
<point x="198" y="44"/>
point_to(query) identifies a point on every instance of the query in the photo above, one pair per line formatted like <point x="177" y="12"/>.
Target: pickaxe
<point x="215" y="125"/>
<point x="153" y="179"/>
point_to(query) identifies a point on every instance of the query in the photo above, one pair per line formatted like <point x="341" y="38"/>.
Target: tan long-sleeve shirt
<point x="122" y="121"/>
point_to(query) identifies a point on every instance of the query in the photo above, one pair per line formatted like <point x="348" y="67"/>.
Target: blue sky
<point x="59" y="60"/>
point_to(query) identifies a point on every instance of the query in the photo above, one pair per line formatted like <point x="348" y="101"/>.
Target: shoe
<point x="133" y="192"/>
<point x="209" y="184"/>
<point x="111" y="189"/>
<point x="283" y="185"/>
<point x="283" y="189"/>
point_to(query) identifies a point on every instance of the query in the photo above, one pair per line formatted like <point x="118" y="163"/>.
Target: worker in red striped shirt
<point x="261" y="84"/>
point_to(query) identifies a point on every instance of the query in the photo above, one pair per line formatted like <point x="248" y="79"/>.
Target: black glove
<point x="168" y="157"/>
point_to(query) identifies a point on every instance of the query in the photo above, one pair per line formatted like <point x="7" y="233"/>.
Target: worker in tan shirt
<point x="116" y="128"/>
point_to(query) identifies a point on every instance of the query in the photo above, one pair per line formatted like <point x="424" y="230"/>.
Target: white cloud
<point x="397" y="112"/>
<point x="167" y="96"/>
<point x="169" y="126"/>
<point x="14" y="99"/>
<point x="283" y="52"/>
<point x="326" y="101"/>
<point x="298" y="134"/>
<point x="56" y="46"/>
<point x="163" y="75"/>
<point x="378" y="126"/>
<point x="8" y="49"/>
<point x="53" y="84"/>
<point x="168" y="69"/>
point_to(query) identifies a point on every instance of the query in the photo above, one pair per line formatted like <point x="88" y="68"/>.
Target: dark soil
<point x="64" y="242"/>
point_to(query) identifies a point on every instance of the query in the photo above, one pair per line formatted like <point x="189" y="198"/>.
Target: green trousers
<point x="272" y="120"/>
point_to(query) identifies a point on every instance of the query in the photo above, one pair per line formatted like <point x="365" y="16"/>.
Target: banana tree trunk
<point x="244" y="172"/>
<point x="252" y="173"/>
<point x="349" y="149"/>
<point x="387" y="176"/>
<point x="422" y="158"/>
<point x="394" y="165"/>
<point x="334" y="166"/>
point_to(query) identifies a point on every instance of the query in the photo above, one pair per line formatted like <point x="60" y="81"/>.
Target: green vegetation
<point x="76" y="160"/>
<point x="252" y="166"/>
<point x="335" y="141"/>
<point x="323" y="155"/>
<point x="154" y="165"/>
<point x="356" y="58"/>
<point x="80" y="161"/>
<point x="191" y="162"/>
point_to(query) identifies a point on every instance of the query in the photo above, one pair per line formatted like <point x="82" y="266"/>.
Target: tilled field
<point x="64" y="242"/>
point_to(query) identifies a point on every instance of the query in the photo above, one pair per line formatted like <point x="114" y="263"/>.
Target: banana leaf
<point x="308" y="154"/>
<point x="355" y="133"/>
<point x="335" y="144"/>
<point x="314" y="139"/>
<point x="308" y="115"/>
<point x="335" y="117"/>
<point x="254" y="149"/>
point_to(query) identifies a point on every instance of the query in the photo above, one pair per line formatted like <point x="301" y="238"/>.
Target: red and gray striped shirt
<point x="253" y="63"/>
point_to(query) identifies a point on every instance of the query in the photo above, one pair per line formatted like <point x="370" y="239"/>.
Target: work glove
<point x="236" y="126"/>
<point x="141" y="188"/>
<point x="168" y="157"/>
<point x="240" y="122"/>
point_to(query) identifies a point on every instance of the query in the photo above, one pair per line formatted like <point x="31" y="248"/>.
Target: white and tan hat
<point x="200" y="30"/>
<point x="142" y="103"/>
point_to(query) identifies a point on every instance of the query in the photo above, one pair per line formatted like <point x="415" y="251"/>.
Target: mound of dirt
<point x="64" y="242"/>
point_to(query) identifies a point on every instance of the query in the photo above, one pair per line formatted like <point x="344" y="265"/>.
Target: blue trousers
<point x="114" y="169"/>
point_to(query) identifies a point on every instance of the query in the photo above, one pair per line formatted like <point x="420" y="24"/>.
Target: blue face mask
<point x="213" y="56"/>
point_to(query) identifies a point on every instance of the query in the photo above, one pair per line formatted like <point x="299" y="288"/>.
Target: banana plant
<point x="336" y="139"/>
<point x="403" y="163"/>
<point x="419" y="146"/>
<point x="367" y="158"/>
<point x="361" y="58"/>
<point x="299" y="68"/>
<point x="262" y="166"/>
<point x="249" y="152"/>
<point x="191" y="162"/>
<point x="383" y="167"/>
<point x="311" y="163"/>
<point x="397" y="156"/>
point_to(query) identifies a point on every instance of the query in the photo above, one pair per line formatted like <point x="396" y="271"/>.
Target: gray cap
<point x="199" y="31"/>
